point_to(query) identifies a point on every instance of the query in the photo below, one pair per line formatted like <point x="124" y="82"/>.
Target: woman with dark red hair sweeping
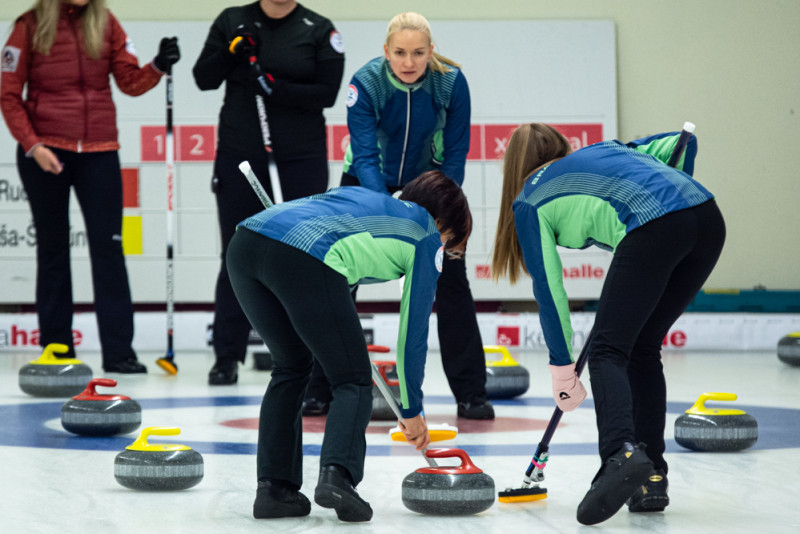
<point x="292" y="267"/>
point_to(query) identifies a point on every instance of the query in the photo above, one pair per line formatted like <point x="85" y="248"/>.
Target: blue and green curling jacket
<point x="370" y="237"/>
<point x="595" y="196"/>
<point x="399" y="131"/>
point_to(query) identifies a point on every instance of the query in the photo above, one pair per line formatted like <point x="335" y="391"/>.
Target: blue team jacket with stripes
<point x="370" y="237"/>
<point x="595" y="196"/>
<point x="399" y="131"/>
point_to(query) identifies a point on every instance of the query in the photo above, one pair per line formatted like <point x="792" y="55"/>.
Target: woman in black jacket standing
<point x="301" y="60"/>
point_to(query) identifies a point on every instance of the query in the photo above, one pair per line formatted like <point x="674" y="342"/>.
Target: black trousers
<point x="460" y="341"/>
<point x="96" y="178"/>
<point x="300" y="306"/>
<point x="656" y="272"/>
<point x="235" y="202"/>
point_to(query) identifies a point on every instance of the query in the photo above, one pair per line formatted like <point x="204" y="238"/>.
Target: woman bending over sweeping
<point x="666" y="233"/>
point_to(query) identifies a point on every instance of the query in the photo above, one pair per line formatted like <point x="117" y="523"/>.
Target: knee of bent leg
<point x="601" y="351"/>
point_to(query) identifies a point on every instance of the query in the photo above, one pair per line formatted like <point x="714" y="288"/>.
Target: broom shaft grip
<point x="392" y="402"/>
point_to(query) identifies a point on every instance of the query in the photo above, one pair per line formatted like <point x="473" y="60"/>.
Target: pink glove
<point x="567" y="389"/>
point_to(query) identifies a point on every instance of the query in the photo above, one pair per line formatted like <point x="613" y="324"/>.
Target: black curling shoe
<point x="276" y="499"/>
<point x="224" y="373"/>
<point x="620" y="476"/>
<point x="476" y="408"/>
<point x="314" y="407"/>
<point x="128" y="367"/>
<point x="334" y="490"/>
<point x="652" y="496"/>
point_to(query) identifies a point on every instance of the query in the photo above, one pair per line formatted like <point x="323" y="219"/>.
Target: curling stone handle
<point x="378" y="348"/>
<point x="505" y="361"/>
<point x="141" y="441"/>
<point x="91" y="387"/>
<point x="466" y="462"/>
<point x="450" y="453"/>
<point x="140" y="444"/>
<point x="384" y="366"/>
<point x="392" y="402"/>
<point x="50" y="351"/>
<point x="48" y="356"/>
<point x="713" y="396"/>
<point x="699" y="407"/>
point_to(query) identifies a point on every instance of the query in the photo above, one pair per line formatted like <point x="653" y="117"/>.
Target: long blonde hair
<point x="530" y="147"/>
<point x="93" y="23"/>
<point x="416" y="22"/>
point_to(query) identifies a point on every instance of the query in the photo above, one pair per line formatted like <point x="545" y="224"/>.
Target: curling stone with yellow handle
<point x="789" y="349"/>
<point x="158" y="467"/>
<point x="505" y="378"/>
<point x="50" y="376"/>
<point x="714" y="430"/>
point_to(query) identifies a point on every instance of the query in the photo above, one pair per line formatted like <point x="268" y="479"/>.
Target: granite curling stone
<point x="789" y="349"/>
<point x="158" y="467"/>
<point x="50" y="376"/>
<point x="505" y="378"/>
<point x="448" y="491"/>
<point x="714" y="430"/>
<point x="381" y="411"/>
<point x="93" y="414"/>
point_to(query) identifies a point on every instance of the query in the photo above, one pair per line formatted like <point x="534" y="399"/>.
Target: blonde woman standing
<point x="408" y="112"/>
<point x="55" y="96"/>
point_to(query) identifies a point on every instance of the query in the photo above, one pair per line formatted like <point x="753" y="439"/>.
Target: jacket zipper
<point x="82" y="80"/>
<point x="405" y="141"/>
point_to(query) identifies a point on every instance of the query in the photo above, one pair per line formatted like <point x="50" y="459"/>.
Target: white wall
<point x="731" y="66"/>
<point x="580" y="95"/>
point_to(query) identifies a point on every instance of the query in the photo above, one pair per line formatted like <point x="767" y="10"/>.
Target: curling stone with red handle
<point x="93" y="414"/>
<point x="444" y="490"/>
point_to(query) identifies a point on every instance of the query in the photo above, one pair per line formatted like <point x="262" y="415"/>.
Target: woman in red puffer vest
<point x="65" y="124"/>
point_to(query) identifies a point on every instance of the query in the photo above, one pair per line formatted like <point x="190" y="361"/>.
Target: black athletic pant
<point x="300" y="306"/>
<point x="237" y="201"/>
<point x="656" y="272"/>
<point x="96" y="178"/>
<point x="460" y="342"/>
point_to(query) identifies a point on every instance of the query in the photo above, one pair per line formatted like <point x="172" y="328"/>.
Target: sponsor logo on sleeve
<point x="10" y="59"/>
<point x="439" y="258"/>
<point x="336" y="42"/>
<point x="352" y="96"/>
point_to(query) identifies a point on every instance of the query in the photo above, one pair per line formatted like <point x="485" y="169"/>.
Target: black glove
<point x="168" y="54"/>
<point x="244" y="43"/>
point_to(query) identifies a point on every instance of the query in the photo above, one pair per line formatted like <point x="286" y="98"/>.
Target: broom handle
<point x="387" y="394"/>
<point x="544" y="445"/>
